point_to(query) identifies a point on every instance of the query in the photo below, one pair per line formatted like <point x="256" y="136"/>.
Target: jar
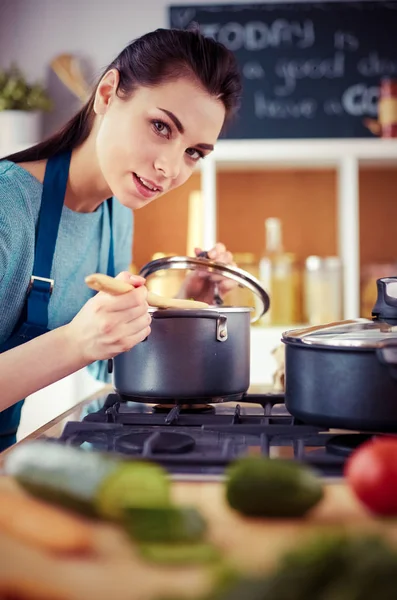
<point x="240" y="296"/>
<point x="322" y="290"/>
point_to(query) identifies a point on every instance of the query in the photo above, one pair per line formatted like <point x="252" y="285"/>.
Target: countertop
<point x="117" y="571"/>
<point x="252" y="544"/>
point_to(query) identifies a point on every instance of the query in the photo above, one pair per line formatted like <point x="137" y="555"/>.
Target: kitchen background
<point x="314" y="219"/>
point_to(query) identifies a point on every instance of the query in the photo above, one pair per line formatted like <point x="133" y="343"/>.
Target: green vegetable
<point x="132" y="485"/>
<point x="329" y="567"/>
<point x="339" y="567"/>
<point x="164" y="524"/>
<point x="334" y="566"/>
<point x="261" y="487"/>
<point x="92" y="483"/>
<point x="179" y="554"/>
<point x="243" y="589"/>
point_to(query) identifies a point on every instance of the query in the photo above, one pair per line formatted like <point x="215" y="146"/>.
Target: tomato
<point x="371" y="472"/>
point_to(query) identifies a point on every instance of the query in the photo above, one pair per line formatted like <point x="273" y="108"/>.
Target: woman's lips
<point x="144" y="191"/>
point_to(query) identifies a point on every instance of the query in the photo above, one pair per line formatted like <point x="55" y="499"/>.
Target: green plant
<point x="17" y="94"/>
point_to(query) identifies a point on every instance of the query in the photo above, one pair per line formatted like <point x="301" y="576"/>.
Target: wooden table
<point x="118" y="573"/>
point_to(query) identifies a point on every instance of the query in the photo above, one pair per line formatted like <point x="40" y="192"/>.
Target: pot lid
<point x="168" y="276"/>
<point x="355" y="334"/>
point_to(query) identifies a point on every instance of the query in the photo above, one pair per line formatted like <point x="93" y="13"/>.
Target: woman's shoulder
<point x="19" y="205"/>
<point x="34" y="170"/>
<point x="19" y="189"/>
<point x="7" y="172"/>
<point x="19" y="176"/>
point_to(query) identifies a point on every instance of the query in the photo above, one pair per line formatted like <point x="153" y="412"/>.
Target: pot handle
<point x="387" y="355"/>
<point x="221" y="320"/>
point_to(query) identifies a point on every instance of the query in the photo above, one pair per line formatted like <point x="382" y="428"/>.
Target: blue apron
<point x="33" y="320"/>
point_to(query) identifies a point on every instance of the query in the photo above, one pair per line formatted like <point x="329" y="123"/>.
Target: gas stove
<point x="198" y="441"/>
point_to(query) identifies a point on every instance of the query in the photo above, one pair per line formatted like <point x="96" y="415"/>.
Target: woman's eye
<point x="194" y="154"/>
<point x="161" y="128"/>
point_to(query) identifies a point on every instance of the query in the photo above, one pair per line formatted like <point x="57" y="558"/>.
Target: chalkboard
<point x="310" y="69"/>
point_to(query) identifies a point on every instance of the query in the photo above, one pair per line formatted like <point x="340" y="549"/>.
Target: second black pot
<point x="339" y="388"/>
<point x="344" y="375"/>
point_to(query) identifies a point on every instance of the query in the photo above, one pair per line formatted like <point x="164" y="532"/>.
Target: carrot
<point x="43" y="525"/>
<point x="29" y="590"/>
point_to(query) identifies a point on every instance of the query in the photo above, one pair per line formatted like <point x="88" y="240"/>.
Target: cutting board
<point x="118" y="573"/>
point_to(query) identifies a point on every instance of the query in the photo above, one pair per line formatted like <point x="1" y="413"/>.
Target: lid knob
<point x="385" y="308"/>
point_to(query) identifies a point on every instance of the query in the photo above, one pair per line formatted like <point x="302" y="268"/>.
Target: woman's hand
<point x="203" y="286"/>
<point x="218" y="253"/>
<point x="108" y="325"/>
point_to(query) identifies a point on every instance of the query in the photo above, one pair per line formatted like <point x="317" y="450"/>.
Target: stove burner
<point x="345" y="444"/>
<point x="191" y="409"/>
<point x="158" y="442"/>
<point x="198" y="400"/>
<point x="179" y="434"/>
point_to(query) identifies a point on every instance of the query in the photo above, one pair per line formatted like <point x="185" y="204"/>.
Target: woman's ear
<point x="106" y="91"/>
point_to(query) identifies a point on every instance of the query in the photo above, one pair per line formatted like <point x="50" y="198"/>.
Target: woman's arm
<point x="105" y="326"/>
<point x="123" y="221"/>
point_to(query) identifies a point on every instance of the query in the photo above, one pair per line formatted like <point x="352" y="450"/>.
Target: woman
<point x="157" y="110"/>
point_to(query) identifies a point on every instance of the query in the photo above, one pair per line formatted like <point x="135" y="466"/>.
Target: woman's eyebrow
<point x="205" y="146"/>
<point x="174" y="119"/>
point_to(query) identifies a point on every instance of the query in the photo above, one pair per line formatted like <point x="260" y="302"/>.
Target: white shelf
<point x="345" y="155"/>
<point x="303" y="153"/>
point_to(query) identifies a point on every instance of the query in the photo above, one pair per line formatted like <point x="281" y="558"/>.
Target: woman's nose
<point x="169" y="165"/>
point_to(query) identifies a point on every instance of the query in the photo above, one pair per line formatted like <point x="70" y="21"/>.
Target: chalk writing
<point x="258" y="35"/>
<point x="283" y="109"/>
<point x="314" y="68"/>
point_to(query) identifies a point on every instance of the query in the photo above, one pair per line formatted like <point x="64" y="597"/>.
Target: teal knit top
<point x="82" y="248"/>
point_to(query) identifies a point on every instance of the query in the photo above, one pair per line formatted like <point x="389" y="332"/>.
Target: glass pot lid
<point x="354" y="333"/>
<point x="200" y="278"/>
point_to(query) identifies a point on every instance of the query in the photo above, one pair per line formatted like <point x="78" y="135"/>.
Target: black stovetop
<point x="200" y="441"/>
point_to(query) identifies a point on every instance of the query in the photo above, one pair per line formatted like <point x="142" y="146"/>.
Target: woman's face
<point x="150" y="144"/>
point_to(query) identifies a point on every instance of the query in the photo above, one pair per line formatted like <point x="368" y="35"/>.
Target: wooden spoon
<point x="104" y="283"/>
<point x="67" y="67"/>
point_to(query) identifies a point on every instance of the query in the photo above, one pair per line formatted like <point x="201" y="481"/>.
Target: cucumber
<point x="245" y="588"/>
<point x="164" y="524"/>
<point x="179" y="554"/>
<point x="92" y="483"/>
<point x="271" y="487"/>
<point x="132" y="484"/>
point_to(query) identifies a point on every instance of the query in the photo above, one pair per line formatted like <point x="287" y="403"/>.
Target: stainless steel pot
<point x="193" y="355"/>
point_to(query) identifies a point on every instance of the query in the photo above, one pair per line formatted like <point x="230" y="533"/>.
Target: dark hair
<point x="157" y="57"/>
